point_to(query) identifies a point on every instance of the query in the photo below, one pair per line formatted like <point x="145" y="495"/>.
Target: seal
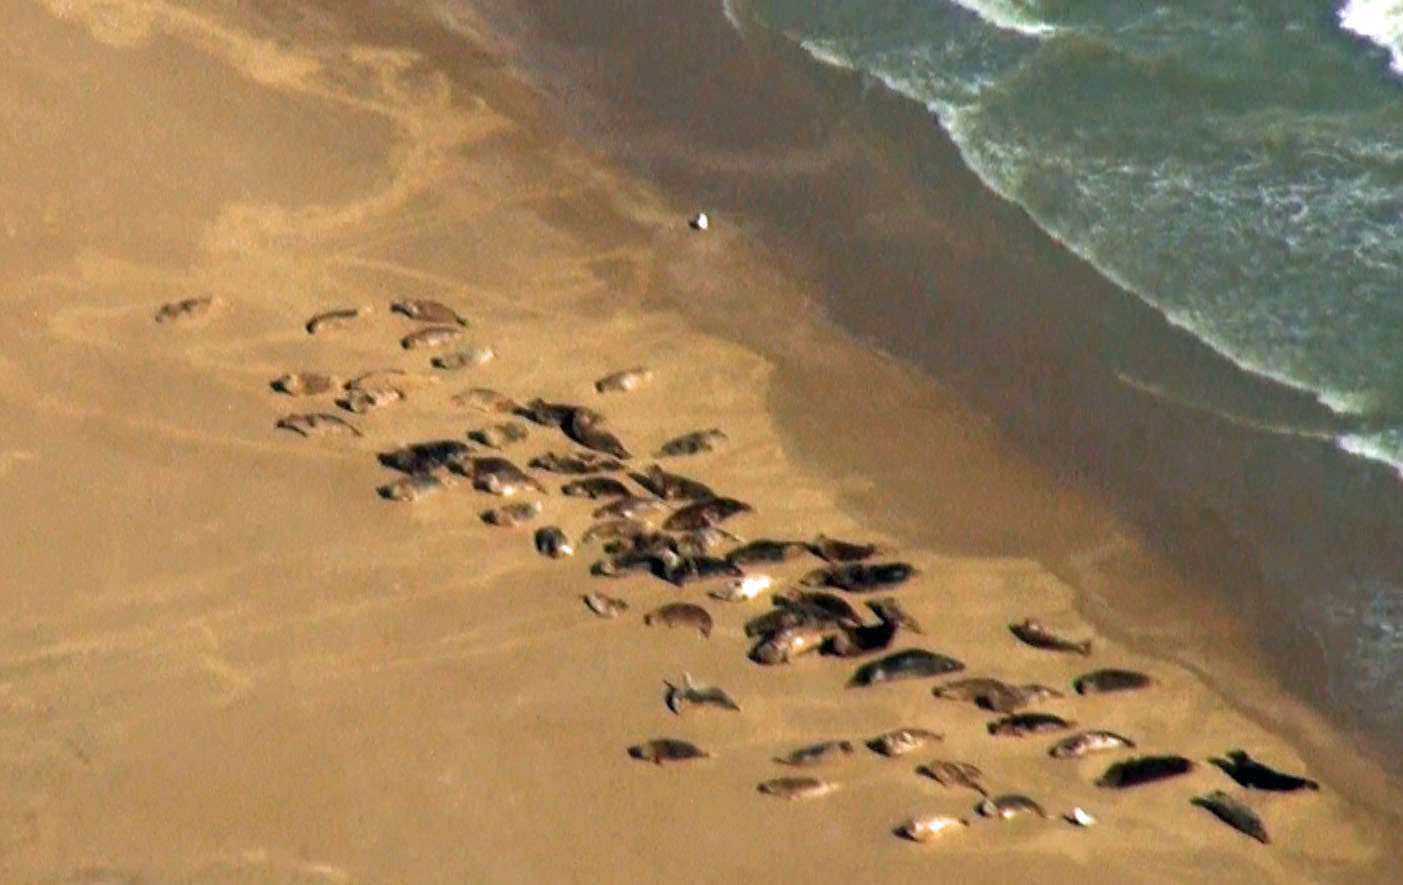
<point x="187" y="310"/>
<point x="512" y="515"/>
<point x="498" y="476"/>
<point x="767" y="552"/>
<point x="1144" y="770"/>
<point x="661" y="751"/>
<point x="1035" y="634"/>
<point x="929" y="827"/>
<point x="704" y="514"/>
<point x="427" y="457"/>
<point x="826" y="606"/>
<point x="614" y="528"/>
<point x="604" y="605"/>
<point x="431" y="337"/>
<point x="334" y="320"/>
<point x="397" y="378"/>
<point x="835" y="551"/>
<point x="889" y="611"/>
<point x="629" y="506"/>
<point x="305" y="383"/>
<point x="426" y="310"/>
<point x="695" y="694"/>
<point x="624" y="381"/>
<point x="1021" y="724"/>
<point x="901" y="741"/>
<point x="1009" y="806"/>
<point x="852" y="642"/>
<point x="414" y="487"/>
<point x="911" y="663"/>
<point x="816" y="754"/>
<point x="681" y="570"/>
<point x="499" y="436"/>
<point x="1234" y="813"/>
<point x="483" y="400"/>
<point x="360" y="400"/>
<point x="1079" y="745"/>
<point x="547" y="414"/>
<point x="950" y="773"/>
<point x="1250" y="773"/>
<point x="552" y="541"/>
<point x="670" y="486"/>
<point x="793" y="788"/>
<point x="680" y="614"/>
<point x="467" y="358"/>
<point x="587" y="428"/>
<point x="701" y="541"/>
<point x="743" y="589"/>
<point x="860" y="577"/>
<point x="577" y="463"/>
<point x="785" y="645"/>
<point x="1103" y="681"/>
<point x="598" y="487"/>
<point x="693" y="443"/>
<point x="316" y="424"/>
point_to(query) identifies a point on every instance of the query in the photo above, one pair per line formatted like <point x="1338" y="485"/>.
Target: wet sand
<point x="227" y="659"/>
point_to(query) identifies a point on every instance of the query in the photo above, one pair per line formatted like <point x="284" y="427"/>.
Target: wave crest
<point x="1378" y="21"/>
<point x="1009" y="15"/>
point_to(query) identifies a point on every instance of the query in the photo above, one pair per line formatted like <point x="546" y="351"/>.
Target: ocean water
<point x="1239" y="166"/>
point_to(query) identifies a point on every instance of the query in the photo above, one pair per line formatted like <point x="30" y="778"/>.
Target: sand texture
<point x="226" y="658"/>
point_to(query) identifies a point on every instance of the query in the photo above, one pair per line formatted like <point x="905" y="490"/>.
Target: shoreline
<point x="784" y="145"/>
<point x="248" y="666"/>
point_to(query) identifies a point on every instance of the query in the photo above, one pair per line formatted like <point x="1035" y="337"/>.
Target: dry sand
<point x="226" y="659"/>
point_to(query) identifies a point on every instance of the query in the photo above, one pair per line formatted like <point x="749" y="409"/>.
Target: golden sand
<point x="225" y="658"/>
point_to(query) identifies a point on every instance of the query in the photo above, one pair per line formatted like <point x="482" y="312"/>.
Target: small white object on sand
<point x="701" y="222"/>
<point x="743" y="589"/>
<point x="1080" y="817"/>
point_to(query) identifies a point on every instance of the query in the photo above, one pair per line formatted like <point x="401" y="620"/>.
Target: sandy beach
<point x="227" y="659"/>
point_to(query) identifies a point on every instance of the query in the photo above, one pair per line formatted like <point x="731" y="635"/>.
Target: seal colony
<point x="643" y="520"/>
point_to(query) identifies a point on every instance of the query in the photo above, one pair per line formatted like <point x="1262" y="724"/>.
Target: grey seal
<point x="426" y="310"/>
<point x="360" y="400"/>
<point x="860" y="577"/>
<point x="1021" y="724"/>
<point x="911" y="663"/>
<point x="901" y="741"/>
<point x="305" y="383"/>
<point x="703" y="514"/>
<point x="597" y="487"/>
<point x="431" y="337"/>
<point x="1035" y="634"/>
<point x="467" y="358"/>
<point x="553" y="542"/>
<point x="994" y="695"/>
<point x="604" y="605"/>
<point x="1010" y="805"/>
<point x="499" y="436"/>
<point x="889" y="611"/>
<point x="1250" y="773"/>
<point x="680" y="614"/>
<point x="693" y="443"/>
<point x="624" y="381"/>
<point x="950" y="773"/>
<point x="692" y="693"/>
<point x="767" y="552"/>
<point x="1234" y="813"/>
<point x="414" y="487"/>
<point x="816" y="754"/>
<point x="852" y="642"/>
<point x="795" y="788"/>
<point x="1144" y="770"/>
<point x="836" y="551"/>
<point x="498" y="476"/>
<point x="1079" y="745"/>
<point x="483" y="399"/>
<point x="1103" y="681"/>
<point x="587" y="428"/>
<point x="670" y="486"/>
<point x="928" y="827"/>
<point x="334" y="320"/>
<point x="512" y="515"/>
<point x="317" y="424"/>
<point x="628" y="506"/>
<point x="428" y="457"/>
<point x="661" y="751"/>
<point x="785" y="645"/>
<point x="576" y="463"/>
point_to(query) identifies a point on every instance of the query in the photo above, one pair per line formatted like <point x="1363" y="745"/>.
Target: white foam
<point x="1009" y="15"/>
<point x="1379" y="22"/>
<point x="1372" y="448"/>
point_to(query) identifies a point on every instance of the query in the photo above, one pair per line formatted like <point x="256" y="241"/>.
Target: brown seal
<point x="334" y="320"/>
<point x="426" y="310"/>
<point x="661" y="751"/>
<point x="187" y="310"/>
<point x="317" y="424"/>
<point x="680" y="614"/>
